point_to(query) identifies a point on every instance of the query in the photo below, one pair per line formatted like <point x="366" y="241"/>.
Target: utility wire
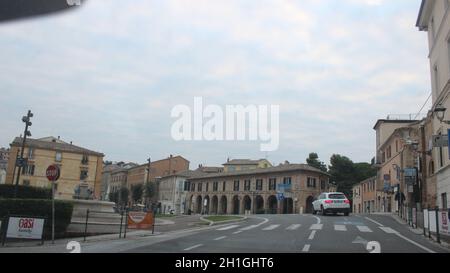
<point x="420" y="111"/>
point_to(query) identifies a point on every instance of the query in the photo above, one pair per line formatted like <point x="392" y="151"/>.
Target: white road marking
<point x="388" y="230"/>
<point x="293" y="227"/>
<point x="318" y="219"/>
<point x="316" y="226"/>
<point x="192" y="247"/>
<point x="306" y="248"/>
<point x="311" y="236"/>
<point x="364" y="228"/>
<point x="381" y="225"/>
<point x="249" y="227"/>
<point x="340" y="228"/>
<point x="271" y="227"/>
<point x="237" y="232"/>
<point x="220" y="238"/>
<point x="228" y="227"/>
<point x="414" y="243"/>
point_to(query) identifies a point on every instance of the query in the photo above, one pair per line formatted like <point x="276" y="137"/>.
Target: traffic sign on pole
<point x="53" y="172"/>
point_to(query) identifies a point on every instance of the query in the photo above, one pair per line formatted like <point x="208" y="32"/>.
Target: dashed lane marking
<point x="306" y="248"/>
<point x="340" y="228"/>
<point x="271" y="227"/>
<point x="311" y="236"/>
<point x="220" y="238"/>
<point x="293" y="227"/>
<point x="373" y="221"/>
<point x="364" y="228"/>
<point x="228" y="227"/>
<point x="192" y="247"/>
<point x="316" y="227"/>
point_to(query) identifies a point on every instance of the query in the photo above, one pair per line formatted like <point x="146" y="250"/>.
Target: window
<point x="215" y="186"/>
<point x="396" y="146"/>
<point x="272" y="184"/>
<point x="58" y="157"/>
<point x="83" y="174"/>
<point x="85" y="160"/>
<point x="431" y="167"/>
<point x="192" y="187"/>
<point x="187" y="185"/>
<point x="247" y="185"/>
<point x="223" y="186"/>
<point x="199" y="187"/>
<point x="287" y="180"/>
<point x="259" y="184"/>
<point x="311" y="182"/>
<point x="28" y="170"/>
<point x="236" y="185"/>
<point x="322" y="184"/>
<point x="231" y="168"/>
<point x="444" y="200"/>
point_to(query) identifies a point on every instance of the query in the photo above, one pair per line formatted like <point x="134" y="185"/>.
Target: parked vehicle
<point x="332" y="202"/>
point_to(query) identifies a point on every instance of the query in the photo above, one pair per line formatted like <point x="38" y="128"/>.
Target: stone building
<point x="78" y="166"/>
<point x="256" y="190"/>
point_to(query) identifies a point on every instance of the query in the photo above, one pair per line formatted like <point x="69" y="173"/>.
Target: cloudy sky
<point x="108" y="75"/>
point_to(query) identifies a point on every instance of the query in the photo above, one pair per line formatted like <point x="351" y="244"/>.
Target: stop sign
<point x="52" y="173"/>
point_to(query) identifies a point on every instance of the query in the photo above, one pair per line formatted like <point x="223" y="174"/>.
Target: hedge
<point x="40" y="207"/>
<point x="25" y="192"/>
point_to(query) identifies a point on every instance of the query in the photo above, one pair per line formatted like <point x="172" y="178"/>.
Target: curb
<point x="212" y="223"/>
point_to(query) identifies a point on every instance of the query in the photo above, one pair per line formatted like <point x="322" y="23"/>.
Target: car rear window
<point x="336" y="196"/>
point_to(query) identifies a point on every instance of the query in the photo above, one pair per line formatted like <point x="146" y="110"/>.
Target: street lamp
<point x="27" y="120"/>
<point x="440" y="113"/>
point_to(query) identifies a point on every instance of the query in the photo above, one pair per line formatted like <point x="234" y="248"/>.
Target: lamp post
<point x="27" y="120"/>
<point x="149" y="160"/>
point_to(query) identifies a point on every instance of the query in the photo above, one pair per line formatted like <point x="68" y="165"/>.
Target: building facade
<point x="435" y="20"/>
<point x="114" y="177"/>
<point x="256" y="191"/>
<point x="160" y="168"/>
<point x="79" y="166"/>
<point x="4" y="157"/>
<point x="245" y="164"/>
<point x="357" y="199"/>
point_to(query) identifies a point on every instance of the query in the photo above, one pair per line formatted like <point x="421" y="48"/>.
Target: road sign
<point x="440" y="141"/>
<point x="21" y="162"/>
<point x="53" y="173"/>
<point x="280" y="196"/>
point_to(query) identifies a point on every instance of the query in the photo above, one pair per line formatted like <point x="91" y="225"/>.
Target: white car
<point x="333" y="202"/>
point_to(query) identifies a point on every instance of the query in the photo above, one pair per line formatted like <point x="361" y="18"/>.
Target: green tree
<point x="313" y="161"/>
<point x="346" y="173"/>
<point x="137" y="192"/>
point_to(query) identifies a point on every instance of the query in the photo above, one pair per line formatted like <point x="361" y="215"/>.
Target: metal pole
<point x="86" y="224"/>
<point x="53" y="212"/>
<point x="126" y="225"/>
<point x="153" y="226"/>
<point x="437" y="226"/>
<point x="27" y="123"/>
<point x="429" y="223"/>
<point x="121" y="221"/>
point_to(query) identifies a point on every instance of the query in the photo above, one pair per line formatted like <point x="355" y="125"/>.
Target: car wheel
<point x="323" y="212"/>
<point x="346" y="213"/>
<point x="314" y="212"/>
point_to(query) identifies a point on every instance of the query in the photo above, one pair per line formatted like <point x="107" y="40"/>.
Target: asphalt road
<point x="263" y="234"/>
<point x="300" y="234"/>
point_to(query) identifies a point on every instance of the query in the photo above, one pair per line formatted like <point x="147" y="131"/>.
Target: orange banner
<point x="140" y="220"/>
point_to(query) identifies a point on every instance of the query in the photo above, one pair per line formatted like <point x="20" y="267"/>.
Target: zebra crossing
<point x="293" y="227"/>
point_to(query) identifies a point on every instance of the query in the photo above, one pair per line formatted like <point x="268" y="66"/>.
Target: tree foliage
<point x="149" y="190"/>
<point x="313" y="161"/>
<point x="345" y="173"/>
<point x="136" y="192"/>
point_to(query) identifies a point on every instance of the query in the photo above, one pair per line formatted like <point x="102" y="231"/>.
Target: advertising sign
<point x="25" y="228"/>
<point x="140" y="220"/>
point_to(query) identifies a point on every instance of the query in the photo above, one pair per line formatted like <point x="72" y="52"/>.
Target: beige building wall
<point x="70" y="165"/>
